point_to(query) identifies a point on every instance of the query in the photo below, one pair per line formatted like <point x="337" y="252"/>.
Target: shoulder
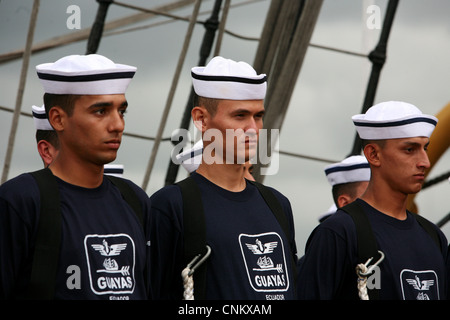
<point x="119" y="182"/>
<point x="21" y="196"/>
<point x="284" y="201"/>
<point x="21" y="187"/>
<point x="168" y="196"/>
<point x="339" y="224"/>
<point x="430" y="228"/>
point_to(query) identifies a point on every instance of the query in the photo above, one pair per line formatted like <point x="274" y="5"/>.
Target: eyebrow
<point x="107" y="104"/>
<point x="246" y="111"/>
<point x="415" y="144"/>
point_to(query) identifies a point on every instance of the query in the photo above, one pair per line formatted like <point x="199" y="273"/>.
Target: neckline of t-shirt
<point x="400" y="224"/>
<point x="88" y="192"/>
<point x="240" y="196"/>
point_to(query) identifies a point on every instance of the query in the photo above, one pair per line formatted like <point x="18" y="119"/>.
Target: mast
<point x="282" y="48"/>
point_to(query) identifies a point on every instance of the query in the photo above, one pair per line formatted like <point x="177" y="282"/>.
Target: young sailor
<point x="92" y="241"/>
<point x="348" y="179"/>
<point x="395" y="138"/>
<point x="251" y="254"/>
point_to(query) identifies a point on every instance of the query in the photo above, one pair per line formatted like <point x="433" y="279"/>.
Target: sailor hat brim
<point x="115" y="170"/>
<point x="227" y="79"/>
<point x="394" y="120"/>
<point x="191" y="158"/>
<point x="40" y="118"/>
<point x="351" y="169"/>
<point x="85" y="75"/>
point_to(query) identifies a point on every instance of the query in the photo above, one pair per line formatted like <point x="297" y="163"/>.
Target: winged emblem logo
<point x="420" y="285"/>
<point x="262" y="248"/>
<point x="109" y="250"/>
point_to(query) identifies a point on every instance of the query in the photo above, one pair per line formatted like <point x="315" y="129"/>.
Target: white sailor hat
<point x="227" y="79"/>
<point x="191" y="158"/>
<point x="351" y="169"/>
<point x="393" y="120"/>
<point x="85" y="75"/>
<point x="40" y="118"/>
<point x="113" y="169"/>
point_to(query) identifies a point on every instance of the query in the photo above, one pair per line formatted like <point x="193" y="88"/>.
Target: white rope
<point x="362" y="281"/>
<point x="188" y="284"/>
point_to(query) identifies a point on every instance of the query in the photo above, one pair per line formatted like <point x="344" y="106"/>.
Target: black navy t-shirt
<point x="413" y="269"/>
<point x="104" y="248"/>
<point x="251" y="257"/>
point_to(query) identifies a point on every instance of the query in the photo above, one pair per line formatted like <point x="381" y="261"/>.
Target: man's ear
<point x="343" y="200"/>
<point x="56" y="117"/>
<point x="46" y="151"/>
<point x="200" y="118"/>
<point x="372" y="154"/>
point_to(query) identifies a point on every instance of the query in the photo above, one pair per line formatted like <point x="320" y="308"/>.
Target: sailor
<point x="251" y="254"/>
<point x="395" y="136"/>
<point x="46" y="137"/>
<point x="348" y="179"/>
<point x="103" y="251"/>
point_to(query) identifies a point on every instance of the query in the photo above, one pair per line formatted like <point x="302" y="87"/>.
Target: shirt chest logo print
<point x="111" y="265"/>
<point x="111" y="262"/>
<point x="265" y="261"/>
<point x="419" y="285"/>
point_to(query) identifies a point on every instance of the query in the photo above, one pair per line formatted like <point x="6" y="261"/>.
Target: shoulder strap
<point x="129" y="196"/>
<point x="277" y="210"/>
<point x="366" y="243"/>
<point x="48" y="239"/>
<point x="194" y="231"/>
<point x="274" y="206"/>
<point x="430" y="229"/>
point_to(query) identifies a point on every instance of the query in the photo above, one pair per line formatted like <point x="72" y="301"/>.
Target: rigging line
<point x="176" y="17"/>
<point x="443" y="221"/>
<point x="286" y="153"/>
<point x="339" y="50"/>
<point x="436" y="180"/>
<point x="166" y="110"/>
<point x="133" y="135"/>
<point x="20" y="91"/>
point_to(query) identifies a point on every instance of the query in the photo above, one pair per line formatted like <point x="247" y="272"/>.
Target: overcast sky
<point x="329" y="90"/>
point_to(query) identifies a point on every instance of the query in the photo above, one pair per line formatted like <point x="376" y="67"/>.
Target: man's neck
<point x="386" y="201"/>
<point x="77" y="173"/>
<point x="226" y="176"/>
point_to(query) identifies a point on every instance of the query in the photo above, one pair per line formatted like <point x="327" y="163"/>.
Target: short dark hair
<point x="344" y="188"/>
<point x="65" y="101"/>
<point x="380" y="142"/>
<point x="48" y="135"/>
<point x="210" y="104"/>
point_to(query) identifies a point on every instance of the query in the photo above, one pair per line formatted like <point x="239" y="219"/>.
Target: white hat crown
<point x="227" y="79"/>
<point x="352" y="169"/>
<point x="393" y="120"/>
<point x="40" y="118"/>
<point x="91" y="74"/>
<point x="191" y="158"/>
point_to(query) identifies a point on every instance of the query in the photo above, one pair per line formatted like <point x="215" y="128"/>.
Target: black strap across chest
<point x="48" y="239"/>
<point x="194" y="227"/>
<point x="366" y="242"/>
